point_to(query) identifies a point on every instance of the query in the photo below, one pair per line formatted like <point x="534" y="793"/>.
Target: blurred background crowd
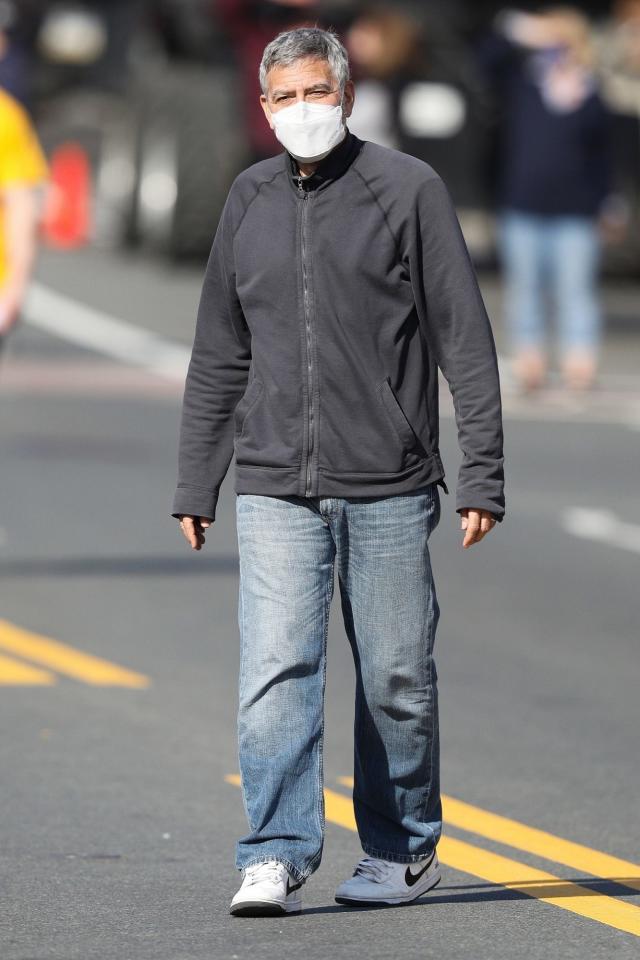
<point x="134" y="116"/>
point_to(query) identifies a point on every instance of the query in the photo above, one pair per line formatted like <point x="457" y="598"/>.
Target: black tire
<point x="191" y="146"/>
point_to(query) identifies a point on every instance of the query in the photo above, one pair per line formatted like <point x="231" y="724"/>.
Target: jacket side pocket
<point x="246" y="404"/>
<point x="397" y="416"/>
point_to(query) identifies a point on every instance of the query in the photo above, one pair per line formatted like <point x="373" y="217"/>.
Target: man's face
<point x="308" y="79"/>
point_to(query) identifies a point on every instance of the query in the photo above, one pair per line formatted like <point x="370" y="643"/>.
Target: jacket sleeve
<point x="216" y="380"/>
<point x="457" y="329"/>
<point x="600" y="136"/>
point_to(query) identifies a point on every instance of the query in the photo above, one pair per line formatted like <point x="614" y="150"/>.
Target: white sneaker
<point x="385" y="881"/>
<point x="268" y="889"/>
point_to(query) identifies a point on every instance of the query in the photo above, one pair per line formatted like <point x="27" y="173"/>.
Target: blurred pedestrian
<point x="23" y="168"/>
<point x="250" y="24"/>
<point x="385" y="48"/>
<point x="338" y="282"/>
<point x="14" y="59"/>
<point x="417" y="90"/>
<point x="617" y="41"/>
<point x="554" y="182"/>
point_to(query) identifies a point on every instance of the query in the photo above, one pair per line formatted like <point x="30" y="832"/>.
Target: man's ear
<point x="349" y="97"/>
<point x="265" y="107"/>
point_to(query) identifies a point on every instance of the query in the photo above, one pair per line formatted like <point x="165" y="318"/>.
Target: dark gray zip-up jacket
<point x="328" y="304"/>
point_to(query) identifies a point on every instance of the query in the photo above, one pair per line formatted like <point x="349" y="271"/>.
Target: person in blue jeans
<point x="555" y="194"/>
<point x="288" y="547"/>
<point x="338" y="283"/>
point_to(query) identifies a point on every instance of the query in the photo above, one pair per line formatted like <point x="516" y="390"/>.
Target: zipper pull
<point x="300" y="187"/>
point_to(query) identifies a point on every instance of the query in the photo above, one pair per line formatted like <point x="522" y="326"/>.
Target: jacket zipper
<point x="307" y="320"/>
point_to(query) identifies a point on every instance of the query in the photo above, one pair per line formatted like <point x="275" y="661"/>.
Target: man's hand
<point x="477" y="523"/>
<point x="193" y="529"/>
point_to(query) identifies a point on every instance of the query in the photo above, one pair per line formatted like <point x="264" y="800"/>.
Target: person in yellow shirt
<point x="23" y="168"/>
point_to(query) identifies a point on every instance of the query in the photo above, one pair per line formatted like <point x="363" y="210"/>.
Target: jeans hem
<point x="395" y="857"/>
<point x="291" y="867"/>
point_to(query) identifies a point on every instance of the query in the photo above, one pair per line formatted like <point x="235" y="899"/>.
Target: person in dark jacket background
<point x="554" y="184"/>
<point x="338" y="282"/>
<point x="14" y="61"/>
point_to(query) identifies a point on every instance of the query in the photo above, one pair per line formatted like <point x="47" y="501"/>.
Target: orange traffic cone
<point x="66" y="216"/>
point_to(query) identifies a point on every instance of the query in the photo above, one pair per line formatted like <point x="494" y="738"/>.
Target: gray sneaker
<point x="385" y="881"/>
<point x="267" y="890"/>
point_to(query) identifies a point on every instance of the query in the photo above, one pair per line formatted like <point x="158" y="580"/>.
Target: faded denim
<point x="287" y="548"/>
<point x="556" y="257"/>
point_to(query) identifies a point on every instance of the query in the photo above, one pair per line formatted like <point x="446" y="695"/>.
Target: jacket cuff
<point x="196" y="501"/>
<point x="482" y="503"/>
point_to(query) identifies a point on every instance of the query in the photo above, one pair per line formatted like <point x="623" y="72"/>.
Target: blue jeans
<point x="556" y="257"/>
<point x="287" y="547"/>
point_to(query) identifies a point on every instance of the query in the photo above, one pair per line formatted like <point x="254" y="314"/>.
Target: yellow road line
<point x="15" y="673"/>
<point x="515" y="834"/>
<point x="539" y="884"/>
<point x="65" y="659"/>
<point x="507" y="873"/>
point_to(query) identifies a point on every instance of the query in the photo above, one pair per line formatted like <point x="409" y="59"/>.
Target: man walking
<point x="338" y="282"/>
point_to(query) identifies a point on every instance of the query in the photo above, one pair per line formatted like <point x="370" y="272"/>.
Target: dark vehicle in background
<point x="161" y="95"/>
<point x="147" y="90"/>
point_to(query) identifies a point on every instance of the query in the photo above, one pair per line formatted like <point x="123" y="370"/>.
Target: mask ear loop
<point x="343" y="119"/>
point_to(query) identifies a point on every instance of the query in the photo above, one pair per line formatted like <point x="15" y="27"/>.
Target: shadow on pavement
<point x="489" y="892"/>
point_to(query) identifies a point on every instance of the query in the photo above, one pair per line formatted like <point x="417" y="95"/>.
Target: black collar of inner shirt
<point x="330" y="167"/>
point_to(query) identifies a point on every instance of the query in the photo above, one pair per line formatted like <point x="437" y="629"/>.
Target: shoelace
<point x="373" y="869"/>
<point x="272" y="870"/>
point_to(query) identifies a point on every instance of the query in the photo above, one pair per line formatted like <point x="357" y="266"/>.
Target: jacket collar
<point x="330" y="167"/>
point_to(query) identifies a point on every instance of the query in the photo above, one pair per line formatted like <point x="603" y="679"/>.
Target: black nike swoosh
<point x="411" y="878"/>
<point x="290" y="888"/>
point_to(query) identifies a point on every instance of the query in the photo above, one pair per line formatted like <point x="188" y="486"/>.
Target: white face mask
<point x="309" y="131"/>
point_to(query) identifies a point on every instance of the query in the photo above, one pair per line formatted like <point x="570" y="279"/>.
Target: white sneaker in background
<point x="267" y="890"/>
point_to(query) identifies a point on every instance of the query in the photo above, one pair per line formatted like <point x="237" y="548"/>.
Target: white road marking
<point x="87" y="327"/>
<point x="602" y="526"/>
<point x="85" y="376"/>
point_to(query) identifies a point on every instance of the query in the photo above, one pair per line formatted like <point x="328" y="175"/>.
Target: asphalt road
<point x="119" y="656"/>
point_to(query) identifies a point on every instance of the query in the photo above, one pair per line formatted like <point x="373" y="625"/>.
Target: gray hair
<point x="293" y="45"/>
